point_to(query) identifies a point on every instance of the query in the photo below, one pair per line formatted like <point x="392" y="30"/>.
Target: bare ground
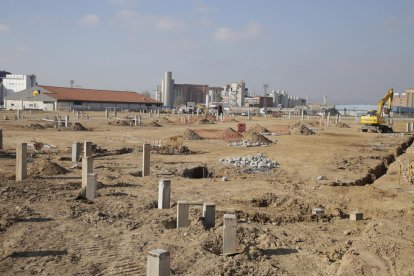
<point x="45" y="229"/>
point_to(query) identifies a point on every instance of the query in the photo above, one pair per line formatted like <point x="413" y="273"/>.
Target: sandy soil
<point x="46" y="229"/>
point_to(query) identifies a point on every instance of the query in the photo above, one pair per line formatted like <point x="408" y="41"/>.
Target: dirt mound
<point x="79" y="127"/>
<point x="208" y="119"/>
<point x="258" y="129"/>
<point x="191" y="135"/>
<point x="155" y="124"/>
<point x="45" y="167"/>
<point x="301" y="129"/>
<point x="165" y="120"/>
<point x="230" y="134"/>
<point x="36" y="126"/>
<point x="255" y="137"/>
<point x="342" y="125"/>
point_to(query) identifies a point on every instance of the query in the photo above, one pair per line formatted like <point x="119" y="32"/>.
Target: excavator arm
<point x="387" y="98"/>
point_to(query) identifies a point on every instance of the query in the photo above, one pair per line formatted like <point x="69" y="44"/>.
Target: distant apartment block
<point x="405" y="99"/>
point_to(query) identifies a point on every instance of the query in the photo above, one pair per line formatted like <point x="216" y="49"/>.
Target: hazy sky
<point x="353" y="51"/>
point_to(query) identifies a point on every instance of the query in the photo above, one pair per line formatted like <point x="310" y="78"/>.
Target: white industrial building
<point x="15" y="83"/>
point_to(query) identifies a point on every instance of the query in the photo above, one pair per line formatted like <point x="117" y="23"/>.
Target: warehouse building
<point x="52" y="98"/>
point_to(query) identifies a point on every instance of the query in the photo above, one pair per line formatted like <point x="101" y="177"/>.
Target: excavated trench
<point x="382" y="168"/>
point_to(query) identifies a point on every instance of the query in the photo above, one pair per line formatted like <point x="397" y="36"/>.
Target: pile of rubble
<point x="254" y="163"/>
<point x="247" y="144"/>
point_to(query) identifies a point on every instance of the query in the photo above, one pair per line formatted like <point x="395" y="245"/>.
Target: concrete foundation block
<point x="164" y="194"/>
<point x="158" y="263"/>
<point x="21" y="162"/>
<point x="76" y="151"/>
<point x="91" y="185"/>
<point x="146" y="161"/>
<point x="87" y="168"/>
<point x="229" y="234"/>
<point x="209" y="215"/>
<point x="87" y="149"/>
<point x="1" y="139"/>
<point x="66" y="120"/>
<point x="357" y="215"/>
<point x="183" y="208"/>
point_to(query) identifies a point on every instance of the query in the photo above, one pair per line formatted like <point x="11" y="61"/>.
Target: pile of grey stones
<point x="254" y="163"/>
<point x="247" y="144"/>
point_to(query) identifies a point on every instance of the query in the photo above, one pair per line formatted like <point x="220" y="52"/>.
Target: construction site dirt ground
<point x="47" y="229"/>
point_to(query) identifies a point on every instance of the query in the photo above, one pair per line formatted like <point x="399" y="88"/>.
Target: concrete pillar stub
<point x="229" y="234"/>
<point x="66" y="120"/>
<point x="357" y="215"/>
<point x="91" y="186"/>
<point x="183" y="214"/>
<point x="87" y="149"/>
<point x="164" y="194"/>
<point x="407" y="127"/>
<point x="87" y="168"/>
<point x="77" y="115"/>
<point x="158" y="263"/>
<point x="209" y="215"/>
<point x="302" y="115"/>
<point x="21" y="162"/>
<point x="1" y="139"/>
<point x="146" y="161"/>
<point x="106" y="114"/>
<point x="76" y="151"/>
<point x="135" y="120"/>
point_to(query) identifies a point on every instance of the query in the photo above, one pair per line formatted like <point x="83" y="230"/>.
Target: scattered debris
<point x="321" y="177"/>
<point x="342" y="125"/>
<point x="79" y="127"/>
<point x="36" y="126"/>
<point x="155" y="124"/>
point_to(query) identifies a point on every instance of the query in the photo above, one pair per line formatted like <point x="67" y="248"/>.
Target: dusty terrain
<point x="46" y="229"/>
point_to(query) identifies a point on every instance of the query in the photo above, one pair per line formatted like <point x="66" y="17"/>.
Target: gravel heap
<point x="253" y="163"/>
<point x="247" y="144"/>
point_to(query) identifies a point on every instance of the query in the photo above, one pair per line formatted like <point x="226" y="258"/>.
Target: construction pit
<point x="46" y="229"/>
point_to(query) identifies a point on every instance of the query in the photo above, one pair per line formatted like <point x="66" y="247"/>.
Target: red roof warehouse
<point x="46" y="97"/>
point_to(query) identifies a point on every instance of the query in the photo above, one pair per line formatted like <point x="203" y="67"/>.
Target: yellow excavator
<point x="379" y="120"/>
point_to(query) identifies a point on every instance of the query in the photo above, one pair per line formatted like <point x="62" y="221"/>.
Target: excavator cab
<point x="378" y="120"/>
